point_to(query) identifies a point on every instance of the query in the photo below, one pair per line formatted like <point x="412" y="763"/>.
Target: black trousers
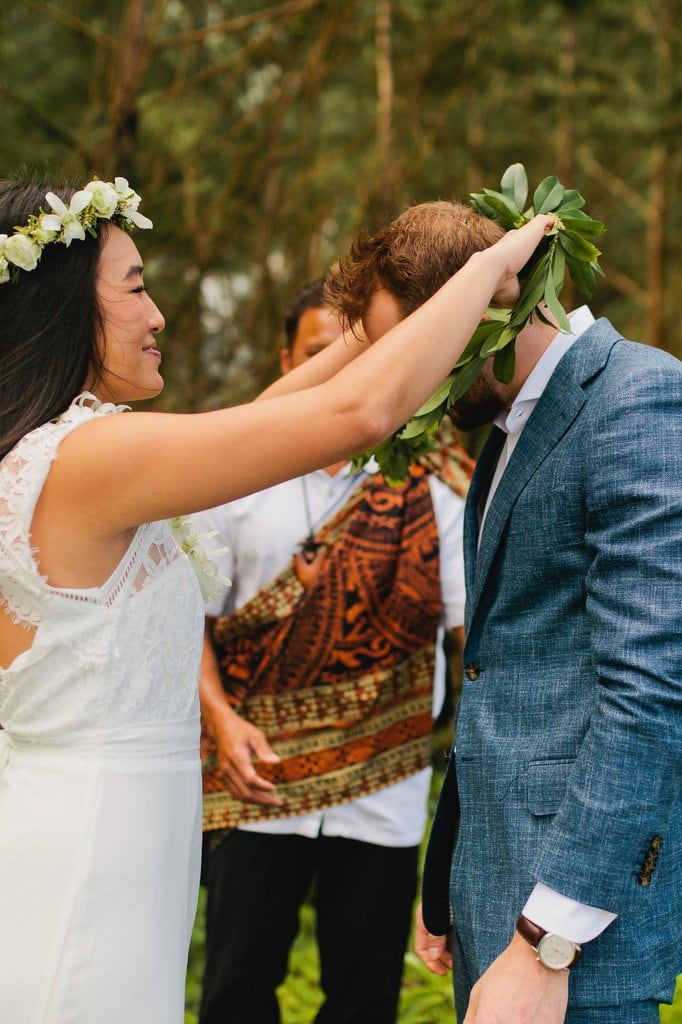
<point x="256" y="884"/>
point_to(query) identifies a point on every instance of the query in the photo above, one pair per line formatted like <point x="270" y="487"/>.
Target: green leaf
<point x="504" y="363"/>
<point x="498" y="341"/>
<point x="572" y="200"/>
<point x="582" y="275"/>
<point x="543" y="190"/>
<point x="553" y="199"/>
<point x="437" y="398"/>
<point x="481" y="206"/>
<point x="506" y="215"/>
<point x="583" y="225"/>
<point x="527" y="303"/>
<point x="418" y="425"/>
<point x="515" y="185"/>
<point x="554" y="306"/>
<point x="465" y="377"/>
<point x="558" y="261"/>
<point x="576" y="245"/>
<point x="482" y="332"/>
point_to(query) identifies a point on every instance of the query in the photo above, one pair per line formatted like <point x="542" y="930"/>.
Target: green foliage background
<point x="263" y="135"/>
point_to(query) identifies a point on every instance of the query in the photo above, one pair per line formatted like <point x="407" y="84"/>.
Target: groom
<point x="555" y="861"/>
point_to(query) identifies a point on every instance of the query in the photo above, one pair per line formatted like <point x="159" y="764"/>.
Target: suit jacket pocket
<point x="546" y="783"/>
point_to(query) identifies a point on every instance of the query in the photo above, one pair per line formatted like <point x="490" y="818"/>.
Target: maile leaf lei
<point x="568" y="247"/>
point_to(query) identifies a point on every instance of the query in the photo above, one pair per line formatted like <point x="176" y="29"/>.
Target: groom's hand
<point x="518" y="989"/>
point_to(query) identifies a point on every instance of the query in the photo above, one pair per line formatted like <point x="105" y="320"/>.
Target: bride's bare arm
<point x="119" y="471"/>
<point x="324" y="366"/>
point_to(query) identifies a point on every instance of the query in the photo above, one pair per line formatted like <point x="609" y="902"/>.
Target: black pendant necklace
<point x="310" y="547"/>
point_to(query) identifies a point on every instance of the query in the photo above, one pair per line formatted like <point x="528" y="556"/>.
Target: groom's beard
<point x="479" y="405"/>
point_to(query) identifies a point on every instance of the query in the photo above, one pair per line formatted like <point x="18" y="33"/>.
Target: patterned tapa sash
<point x="339" y="676"/>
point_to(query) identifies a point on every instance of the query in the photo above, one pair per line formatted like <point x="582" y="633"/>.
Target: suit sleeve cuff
<point x="575" y="921"/>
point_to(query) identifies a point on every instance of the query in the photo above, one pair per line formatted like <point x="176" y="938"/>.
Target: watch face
<point x="555" y="952"/>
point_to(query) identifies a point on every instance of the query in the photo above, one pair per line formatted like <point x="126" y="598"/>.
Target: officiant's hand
<point x="240" y="744"/>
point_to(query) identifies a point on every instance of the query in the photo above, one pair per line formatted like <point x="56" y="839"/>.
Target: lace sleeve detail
<point x="23" y="591"/>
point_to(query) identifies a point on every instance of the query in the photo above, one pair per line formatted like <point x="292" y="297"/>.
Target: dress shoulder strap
<point x="23" y="472"/>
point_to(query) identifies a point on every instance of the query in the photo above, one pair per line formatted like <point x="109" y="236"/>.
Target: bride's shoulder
<point x="32" y="455"/>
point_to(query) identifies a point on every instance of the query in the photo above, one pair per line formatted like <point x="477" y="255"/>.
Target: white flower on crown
<point x="20" y="250"/>
<point x="129" y="202"/>
<point x="66" y="219"/>
<point x="99" y="200"/>
<point x="105" y="198"/>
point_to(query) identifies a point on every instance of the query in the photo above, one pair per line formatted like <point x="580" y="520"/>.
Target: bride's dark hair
<point x="49" y="320"/>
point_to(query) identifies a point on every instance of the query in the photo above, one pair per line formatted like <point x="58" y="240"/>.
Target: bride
<point x="100" y="610"/>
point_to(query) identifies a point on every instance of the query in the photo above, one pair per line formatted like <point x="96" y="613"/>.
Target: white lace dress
<point x="100" y="792"/>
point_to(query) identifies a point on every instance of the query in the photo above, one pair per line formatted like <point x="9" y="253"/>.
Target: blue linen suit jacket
<point x="568" y="757"/>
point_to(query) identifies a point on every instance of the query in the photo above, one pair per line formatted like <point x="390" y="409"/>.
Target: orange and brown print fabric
<point x="338" y="675"/>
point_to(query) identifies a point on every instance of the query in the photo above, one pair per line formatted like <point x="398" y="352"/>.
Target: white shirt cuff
<point x="578" y="922"/>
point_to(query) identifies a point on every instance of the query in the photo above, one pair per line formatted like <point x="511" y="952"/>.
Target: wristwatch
<point x="553" y="952"/>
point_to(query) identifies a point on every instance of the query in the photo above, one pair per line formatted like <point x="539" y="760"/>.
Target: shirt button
<point x="472" y="671"/>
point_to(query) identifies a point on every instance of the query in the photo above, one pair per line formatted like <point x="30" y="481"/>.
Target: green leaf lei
<point x="566" y="248"/>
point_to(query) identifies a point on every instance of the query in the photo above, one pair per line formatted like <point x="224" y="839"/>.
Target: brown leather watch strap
<point x="531" y="932"/>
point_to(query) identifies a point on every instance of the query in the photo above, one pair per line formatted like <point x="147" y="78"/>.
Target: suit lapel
<point x="556" y="410"/>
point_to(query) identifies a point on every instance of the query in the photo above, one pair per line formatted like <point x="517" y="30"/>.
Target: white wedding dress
<point x="100" y="792"/>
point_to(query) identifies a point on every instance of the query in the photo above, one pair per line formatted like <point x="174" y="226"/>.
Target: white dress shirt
<point x="547" y="908"/>
<point x="262" y="531"/>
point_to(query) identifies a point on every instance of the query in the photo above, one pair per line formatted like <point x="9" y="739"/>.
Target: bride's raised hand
<point x="513" y="251"/>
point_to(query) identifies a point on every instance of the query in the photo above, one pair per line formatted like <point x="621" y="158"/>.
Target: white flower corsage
<point x="188" y="537"/>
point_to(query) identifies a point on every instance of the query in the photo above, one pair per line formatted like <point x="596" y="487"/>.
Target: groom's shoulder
<point x="624" y="358"/>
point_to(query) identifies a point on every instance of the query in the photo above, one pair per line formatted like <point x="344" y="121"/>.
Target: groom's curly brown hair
<point x="410" y="258"/>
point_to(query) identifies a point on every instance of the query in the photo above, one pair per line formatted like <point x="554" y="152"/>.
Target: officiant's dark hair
<point x="412" y="257"/>
<point x="49" y="319"/>
<point x="311" y="296"/>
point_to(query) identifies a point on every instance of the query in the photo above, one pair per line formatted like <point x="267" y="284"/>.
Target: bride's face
<point x="130" y="322"/>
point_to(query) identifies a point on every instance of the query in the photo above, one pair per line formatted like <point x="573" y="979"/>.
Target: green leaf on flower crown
<point x="436" y="399"/>
<point x="482" y="332"/>
<point x="572" y="200"/>
<point x="583" y="225"/>
<point x="543" y="190"/>
<point x="494" y="344"/>
<point x="515" y="184"/>
<point x="505" y="363"/>
<point x="554" y="306"/>
<point x="507" y="213"/>
<point x="558" y="268"/>
<point x="427" y="424"/>
<point x="576" y="245"/>
<point x="481" y="206"/>
<point x="565" y="249"/>
<point x="465" y="378"/>
<point x="582" y="275"/>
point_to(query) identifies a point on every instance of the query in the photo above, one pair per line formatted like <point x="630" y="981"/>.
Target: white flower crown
<point x="99" y="200"/>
